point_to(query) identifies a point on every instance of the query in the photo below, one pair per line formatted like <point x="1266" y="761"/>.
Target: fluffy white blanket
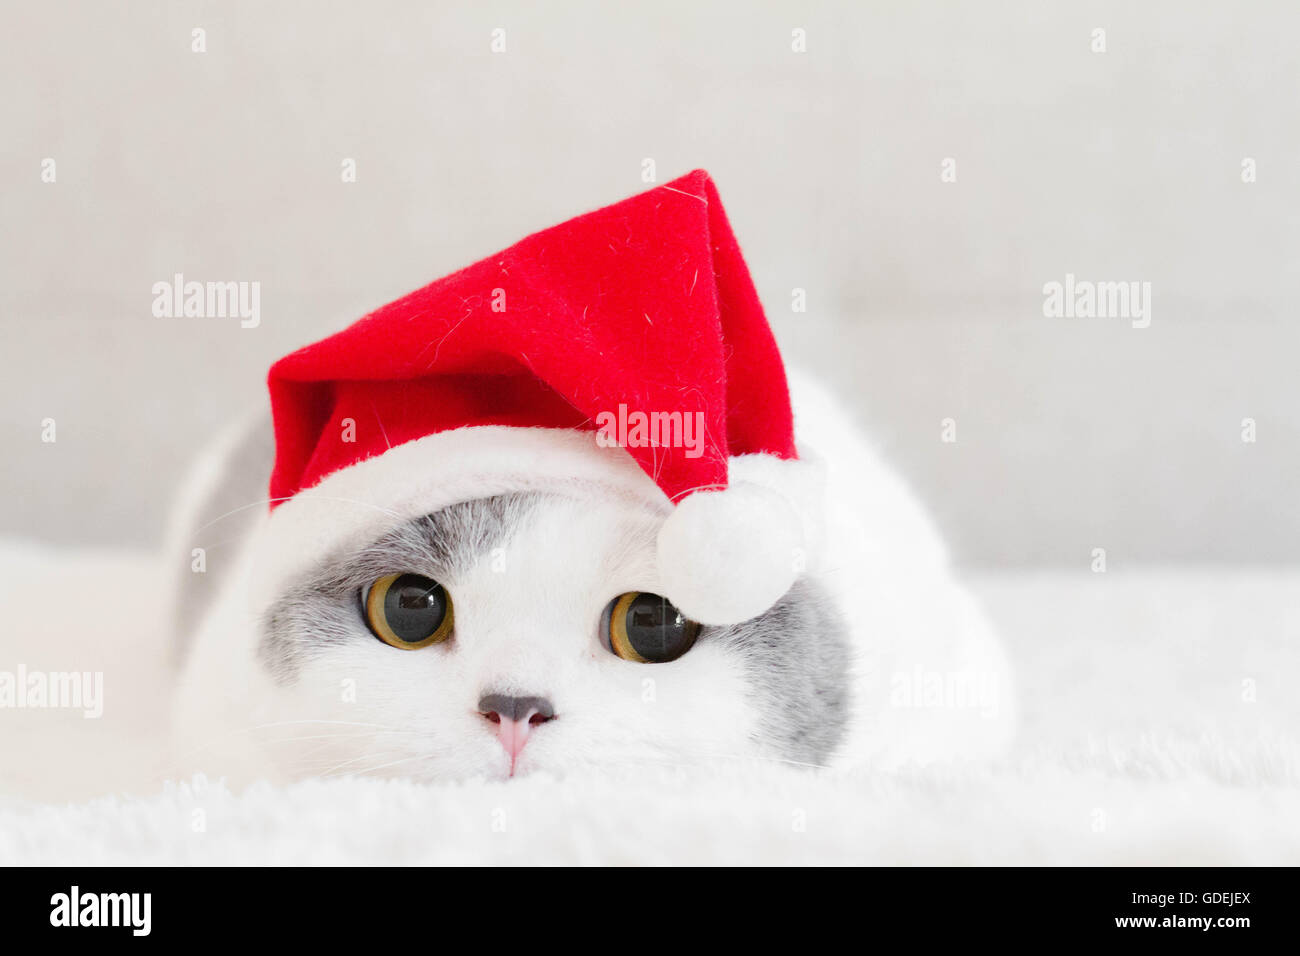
<point x="1161" y="725"/>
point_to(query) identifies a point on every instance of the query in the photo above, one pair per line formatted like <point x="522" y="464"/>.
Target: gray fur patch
<point x="796" y="657"/>
<point x="323" y="609"/>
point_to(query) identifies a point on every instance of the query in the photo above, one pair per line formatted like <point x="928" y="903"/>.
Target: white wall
<point x="925" y="297"/>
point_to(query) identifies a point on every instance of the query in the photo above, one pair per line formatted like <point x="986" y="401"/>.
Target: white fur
<point x="530" y="627"/>
<point x="1043" y="810"/>
<point x="887" y="566"/>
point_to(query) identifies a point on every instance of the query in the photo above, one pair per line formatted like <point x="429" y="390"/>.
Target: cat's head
<point x="524" y="632"/>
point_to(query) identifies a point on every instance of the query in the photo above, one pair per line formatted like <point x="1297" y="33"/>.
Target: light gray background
<point x="924" y="298"/>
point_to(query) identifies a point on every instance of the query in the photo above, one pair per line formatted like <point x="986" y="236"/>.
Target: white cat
<point x="507" y="633"/>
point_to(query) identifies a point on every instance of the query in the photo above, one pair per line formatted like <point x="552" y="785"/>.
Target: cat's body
<point x="876" y="656"/>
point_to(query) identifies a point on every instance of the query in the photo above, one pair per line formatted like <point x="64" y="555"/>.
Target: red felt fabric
<point x="646" y="302"/>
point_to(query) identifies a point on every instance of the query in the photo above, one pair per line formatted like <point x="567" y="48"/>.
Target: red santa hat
<point x="625" y="349"/>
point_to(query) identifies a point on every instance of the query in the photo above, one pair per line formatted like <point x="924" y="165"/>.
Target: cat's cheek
<point x="670" y="711"/>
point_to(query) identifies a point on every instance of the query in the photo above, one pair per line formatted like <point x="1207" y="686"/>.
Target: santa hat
<point x="624" y="350"/>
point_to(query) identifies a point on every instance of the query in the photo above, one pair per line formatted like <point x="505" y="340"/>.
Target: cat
<point x="876" y="659"/>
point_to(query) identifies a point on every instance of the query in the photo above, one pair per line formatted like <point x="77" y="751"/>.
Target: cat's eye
<point x="646" y="628"/>
<point x="408" y="611"/>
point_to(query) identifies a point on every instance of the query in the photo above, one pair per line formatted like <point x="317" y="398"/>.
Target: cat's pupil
<point x="414" y="607"/>
<point x="656" y="628"/>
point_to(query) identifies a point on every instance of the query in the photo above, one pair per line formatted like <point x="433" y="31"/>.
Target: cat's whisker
<point x="320" y="764"/>
<point x="268" y="501"/>
<point x="370" y="770"/>
<point x="213" y="742"/>
<point x="286" y="723"/>
<point x="372" y="734"/>
<point x="759" y="758"/>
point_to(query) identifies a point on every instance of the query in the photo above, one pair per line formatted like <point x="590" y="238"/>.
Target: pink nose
<point x="515" y="718"/>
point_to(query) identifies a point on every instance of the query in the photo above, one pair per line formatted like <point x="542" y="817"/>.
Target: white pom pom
<point x="728" y="556"/>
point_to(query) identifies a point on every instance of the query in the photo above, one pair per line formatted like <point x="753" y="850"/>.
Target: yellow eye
<point x="646" y="628"/>
<point x="409" y="611"/>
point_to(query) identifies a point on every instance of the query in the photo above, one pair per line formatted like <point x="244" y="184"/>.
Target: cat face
<point x="518" y="633"/>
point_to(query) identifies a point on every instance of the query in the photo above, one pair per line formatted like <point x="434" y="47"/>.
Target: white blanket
<point x="1161" y="724"/>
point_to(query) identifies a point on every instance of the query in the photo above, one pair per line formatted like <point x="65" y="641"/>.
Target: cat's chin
<point x="493" y="768"/>
<point x="522" y="768"/>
